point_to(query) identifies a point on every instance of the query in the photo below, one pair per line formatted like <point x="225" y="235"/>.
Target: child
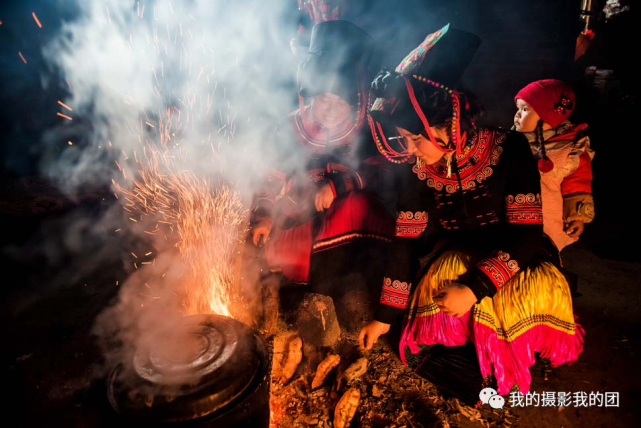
<point x="563" y="154"/>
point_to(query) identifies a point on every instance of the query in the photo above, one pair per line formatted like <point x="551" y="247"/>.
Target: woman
<point x="322" y="223"/>
<point x="468" y="232"/>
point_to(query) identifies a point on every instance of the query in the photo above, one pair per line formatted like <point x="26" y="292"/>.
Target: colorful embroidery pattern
<point x="414" y="59"/>
<point x="395" y="293"/>
<point x="336" y="241"/>
<point x="411" y="224"/>
<point x="499" y="268"/>
<point x="524" y="209"/>
<point x="474" y="168"/>
<point x="524" y="325"/>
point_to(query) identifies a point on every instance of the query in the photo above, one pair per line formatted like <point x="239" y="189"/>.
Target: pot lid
<point x="189" y="370"/>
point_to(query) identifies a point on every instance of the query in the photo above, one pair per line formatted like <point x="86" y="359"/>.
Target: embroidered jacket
<point x="490" y="207"/>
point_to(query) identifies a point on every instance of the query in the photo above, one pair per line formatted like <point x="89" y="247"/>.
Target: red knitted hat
<point x="553" y="100"/>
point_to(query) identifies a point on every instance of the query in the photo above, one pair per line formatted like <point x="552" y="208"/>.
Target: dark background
<point x="47" y="326"/>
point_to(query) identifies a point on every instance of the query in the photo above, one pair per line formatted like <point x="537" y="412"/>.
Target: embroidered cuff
<point x="498" y="269"/>
<point x="578" y="207"/>
<point x="395" y="293"/>
<point x="411" y="224"/>
<point x="524" y="209"/>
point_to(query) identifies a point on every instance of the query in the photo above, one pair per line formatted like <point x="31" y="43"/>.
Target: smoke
<point x="221" y="66"/>
<point x="173" y="104"/>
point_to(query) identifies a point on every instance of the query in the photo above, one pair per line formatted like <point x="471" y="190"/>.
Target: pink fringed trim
<point x="510" y="362"/>
<point x="435" y="329"/>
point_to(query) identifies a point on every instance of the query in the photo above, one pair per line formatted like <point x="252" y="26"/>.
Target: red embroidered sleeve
<point x="524" y="209"/>
<point x="411" y="224"/>
<point x="500" y="268"/>
<point x="395" y="293"/>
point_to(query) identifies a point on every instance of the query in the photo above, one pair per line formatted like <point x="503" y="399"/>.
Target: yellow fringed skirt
<point x="530" y="314"/>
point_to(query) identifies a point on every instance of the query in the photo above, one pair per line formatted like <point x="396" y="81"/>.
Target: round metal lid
<point x="188" y="371"/>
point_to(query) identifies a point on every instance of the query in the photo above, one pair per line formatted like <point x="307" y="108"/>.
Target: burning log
<point x="324" y="368"/>
<point x="316" y="320"/>
<point x="354" y="371"/>
<point x="270" y="305"/>
<point x="346" y="408"/>
<point x="287" y="355"/>
<point x="294" y="357"/>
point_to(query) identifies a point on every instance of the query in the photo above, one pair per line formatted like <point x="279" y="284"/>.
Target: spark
<point x="201" y="220"/>
<point x="22" y="56"/>
<point x="70" y="143"/>
<point x="65" y="105"/>
<point x="36" y="19"/>
<point x="64" y="115"/>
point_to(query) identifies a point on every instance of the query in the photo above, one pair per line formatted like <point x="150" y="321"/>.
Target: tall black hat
<point x="337" y="62"/>
<point x="438" y="62"/>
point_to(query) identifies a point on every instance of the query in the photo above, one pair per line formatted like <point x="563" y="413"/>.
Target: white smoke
<point x="204" y="80"/>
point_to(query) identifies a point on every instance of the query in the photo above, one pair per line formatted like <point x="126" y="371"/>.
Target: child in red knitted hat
<point x="564" y="157"/>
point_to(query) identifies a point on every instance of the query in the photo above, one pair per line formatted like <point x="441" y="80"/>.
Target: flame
<point x="204" y="221"/>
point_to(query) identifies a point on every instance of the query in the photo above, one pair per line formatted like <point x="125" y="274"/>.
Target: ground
<point x="51" y="360"/>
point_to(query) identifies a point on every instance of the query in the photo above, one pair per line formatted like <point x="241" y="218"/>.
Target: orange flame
<point x="205" y="222"/>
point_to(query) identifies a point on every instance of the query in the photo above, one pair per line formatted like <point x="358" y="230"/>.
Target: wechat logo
<point x="489" y="396"/>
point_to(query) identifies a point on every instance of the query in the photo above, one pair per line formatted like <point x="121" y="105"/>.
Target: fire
<point x="204" y="221"/>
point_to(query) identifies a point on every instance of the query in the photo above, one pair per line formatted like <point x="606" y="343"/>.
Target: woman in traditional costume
<point x="470" y="263"/>
<point x="324" y="227"/>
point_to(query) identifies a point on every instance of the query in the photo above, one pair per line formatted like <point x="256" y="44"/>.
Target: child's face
<point x="525" y="119"/>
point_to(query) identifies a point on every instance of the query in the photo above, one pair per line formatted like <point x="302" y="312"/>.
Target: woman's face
<point x="525" y="119"/>
<point x="330" y="110"/>
<point x="421" y="146"/>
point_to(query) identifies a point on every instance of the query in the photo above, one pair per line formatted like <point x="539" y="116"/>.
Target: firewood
<point x="270" y="306"/>
<point x="281" y="346"/>
<point x="346" y="408"/>
<point x="294" y="357"/>
<point x="354" y="371"/>
<point x="324" y="368"/>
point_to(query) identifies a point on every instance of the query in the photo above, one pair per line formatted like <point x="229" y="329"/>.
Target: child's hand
<point x="455" y="299"/>
<point x="574" y="229"/>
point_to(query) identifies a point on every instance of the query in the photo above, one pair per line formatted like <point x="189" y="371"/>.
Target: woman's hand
<point x="324" y="197"/>
<point x="455" y="299"/>
<point x="574" y="229"/>
<point x="261" y="231"/>
<point x="370" y="333"/>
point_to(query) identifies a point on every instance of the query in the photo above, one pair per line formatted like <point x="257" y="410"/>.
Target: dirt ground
<point x="50" y="358"/>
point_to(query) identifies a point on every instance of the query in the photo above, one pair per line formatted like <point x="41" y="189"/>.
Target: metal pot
<point x="211" y="369"/>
